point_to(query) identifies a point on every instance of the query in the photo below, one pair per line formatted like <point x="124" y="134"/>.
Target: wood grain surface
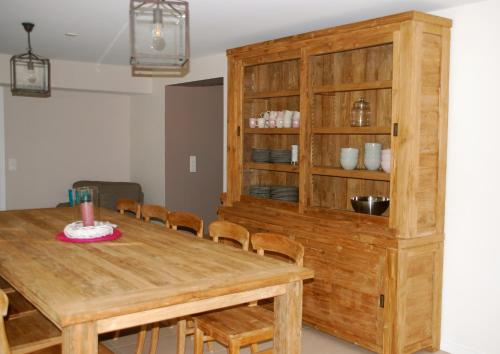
<point x="150" y="273"/>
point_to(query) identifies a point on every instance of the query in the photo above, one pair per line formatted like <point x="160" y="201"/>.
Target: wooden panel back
<point x="229" y="230"/>
<point x="277" y="243"/>
<point x="123" y="205"/>
<point x="335" y="193"/>
<point x="271" y="77"/>
<point x="186" y="219"/>
<point x="158" y="212"/>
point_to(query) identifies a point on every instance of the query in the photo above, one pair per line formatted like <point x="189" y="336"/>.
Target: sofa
<point x="110" y="192"/>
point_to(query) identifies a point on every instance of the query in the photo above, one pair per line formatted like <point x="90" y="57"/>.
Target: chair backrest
<point x="278" y="243"/>
<point x="226" y="229"/>
<point x="123" y="205"/>
<point x="4" y="305"/>
<point x="149" y="211"/>
<point x="186" y="219"/>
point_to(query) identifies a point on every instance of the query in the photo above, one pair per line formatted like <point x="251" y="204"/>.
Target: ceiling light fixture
<point x="159" y="37"/>
<point x="71" y="34"/>
<point x="29" y="73"/>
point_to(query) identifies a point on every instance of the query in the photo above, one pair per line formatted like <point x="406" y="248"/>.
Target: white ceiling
<point x="215" y="24"/>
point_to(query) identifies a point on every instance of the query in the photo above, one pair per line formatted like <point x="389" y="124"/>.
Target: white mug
<point x="261" y="122"/>
<point x="287" y="119"/>
<point x="252" y="122"/>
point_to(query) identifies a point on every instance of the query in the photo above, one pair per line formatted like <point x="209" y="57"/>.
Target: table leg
<point x="288" y="320"/>
<point x="80" y="338"/>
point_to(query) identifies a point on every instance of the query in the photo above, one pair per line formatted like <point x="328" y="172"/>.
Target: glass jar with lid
<point x="360" y="113"/>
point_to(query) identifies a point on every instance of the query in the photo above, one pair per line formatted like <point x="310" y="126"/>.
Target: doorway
<point x="194" y="123"/>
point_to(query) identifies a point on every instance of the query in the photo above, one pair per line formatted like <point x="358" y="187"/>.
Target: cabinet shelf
<point x="359" y="174"/>
<point x="281" y="167"/>
<point x="371" y="85"/>
<point x="354" y="130"/>
<point x="287" y="131"/>
<point x="271" y="94"/>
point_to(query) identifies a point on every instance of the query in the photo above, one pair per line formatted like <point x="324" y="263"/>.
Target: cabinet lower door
<point x="345" y="297"/>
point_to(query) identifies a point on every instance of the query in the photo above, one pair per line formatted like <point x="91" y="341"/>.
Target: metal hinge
<point x="382" y="301"/>
<point x="395" y="129"/>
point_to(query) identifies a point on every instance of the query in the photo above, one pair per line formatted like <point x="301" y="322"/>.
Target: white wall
<point x="471" y="293"/>
<point x="148" y="126"/>
<point x="56" y="141"/>
<point x="3" y="199"/>
<point x="45" y="135"/>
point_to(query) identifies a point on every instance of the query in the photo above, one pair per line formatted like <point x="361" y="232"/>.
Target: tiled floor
<point x="313" y="342"/>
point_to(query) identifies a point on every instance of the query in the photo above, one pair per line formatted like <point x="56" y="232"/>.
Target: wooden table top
<point x="149" y="267"/>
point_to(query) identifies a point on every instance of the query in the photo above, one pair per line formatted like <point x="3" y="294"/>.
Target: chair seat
<point x="31" y="332"/>
<point x="243" y="323"/>
<point x="18" y="305"/>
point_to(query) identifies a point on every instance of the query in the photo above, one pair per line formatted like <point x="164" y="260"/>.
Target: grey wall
<point x="194" y="126"/>
<point x="56" y="141"/>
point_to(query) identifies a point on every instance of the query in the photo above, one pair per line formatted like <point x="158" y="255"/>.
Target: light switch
<point x="12" y="164"/>
<point x="192" y="163"/>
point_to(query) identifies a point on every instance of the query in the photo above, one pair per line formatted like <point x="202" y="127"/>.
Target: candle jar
<point x="360" y="113"/>
<point x="87" y="204"/>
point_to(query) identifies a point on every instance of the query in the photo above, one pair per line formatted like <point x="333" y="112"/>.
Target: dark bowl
<point x="370" y="204"/>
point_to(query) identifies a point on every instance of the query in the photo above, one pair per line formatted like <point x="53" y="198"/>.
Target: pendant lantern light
<point x="159" y="37"/>
<point x="29" y="73"/>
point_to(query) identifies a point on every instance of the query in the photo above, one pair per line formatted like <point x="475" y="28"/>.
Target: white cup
<point x="373" y="147"/>
<point x="386" y="165"/>
<point x="372" y="164"/>
<point x="349" y="158"/>
<point x="287" y="119"/>
<point x="252" y="122"/>
<point x="261" y="122"/>
<point x="280" y="120"/>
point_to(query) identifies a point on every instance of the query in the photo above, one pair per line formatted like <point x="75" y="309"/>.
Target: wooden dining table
<point x="149" y="274"/>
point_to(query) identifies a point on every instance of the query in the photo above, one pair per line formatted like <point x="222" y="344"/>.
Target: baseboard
<point x="456" y="348"/>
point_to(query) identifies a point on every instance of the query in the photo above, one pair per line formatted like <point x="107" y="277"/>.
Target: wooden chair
<point x="217" y="230"/>
<point x="191" y="221"/>
<point x="229" y="230"/>
<point x="186" y="220"/>
<point x="123" y="205"/>
<point x="150" y="211"/>
<point x="247" y="325"/>
<point x="30" y="333"/>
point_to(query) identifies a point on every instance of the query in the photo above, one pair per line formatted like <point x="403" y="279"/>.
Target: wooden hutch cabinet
<point x="377" y="278"/>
